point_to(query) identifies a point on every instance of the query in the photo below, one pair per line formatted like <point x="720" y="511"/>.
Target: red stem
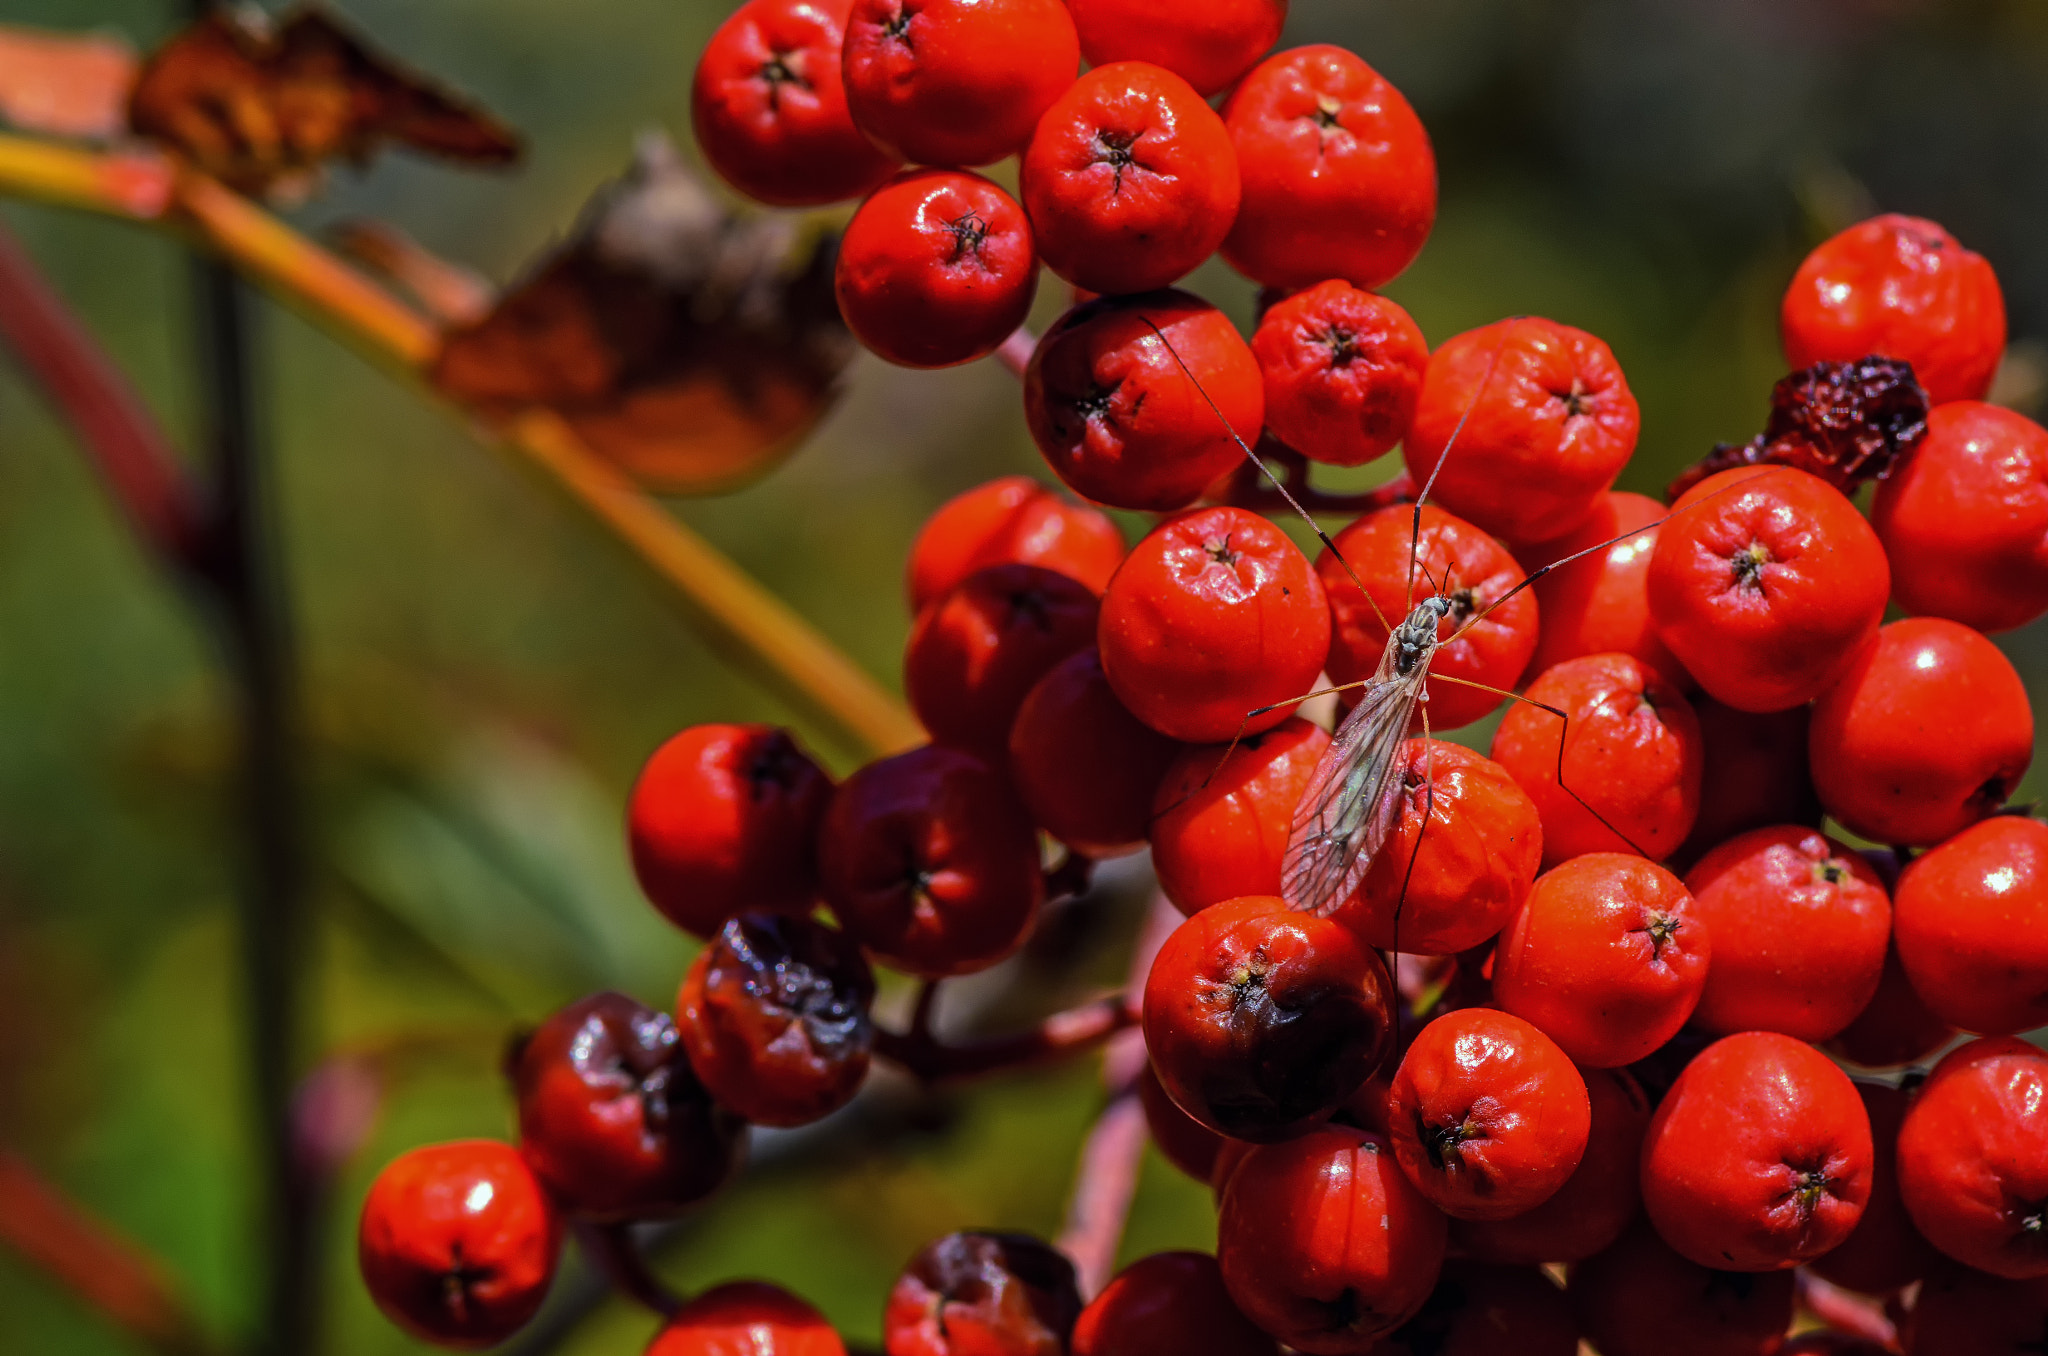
<point x="1015" y="353"/>
<point x="613" y="1250"/>
<point x="133" y="457"/>
<point x="1846" y="1312"/>
<point x="921" y="1054"/>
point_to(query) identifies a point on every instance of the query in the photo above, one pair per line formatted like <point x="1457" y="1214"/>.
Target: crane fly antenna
<point x="1266" y="470"/>
<point x="1422" y="497"/>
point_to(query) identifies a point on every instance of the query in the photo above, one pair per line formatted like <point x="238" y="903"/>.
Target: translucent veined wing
<point x="1344" y="816"/>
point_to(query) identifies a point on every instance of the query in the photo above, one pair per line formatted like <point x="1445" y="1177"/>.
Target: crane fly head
<point x="1415" y="638"/>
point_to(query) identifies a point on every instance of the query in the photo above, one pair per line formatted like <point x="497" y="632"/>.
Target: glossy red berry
<point x="1973" y="1157"/>
<point x="1639" y="1298"/>
<point x="982" y="1294"/>
<point x="936" y="268"/>
<point x="1181" y="1139"/>
<point x="979" y="648"/>
<point x="1339" y="179"/>
<point x="1325" y="1244"/>
<point x="1168" y="1304"/>
<point x="1482" y="1310"/>
<point x="1927" y="732"/>
<point x="722" y="819"/>
<point x="1765" y="582"/>
<point x="1221" y="815"/>
<point x="1006" y="521"/>
<point x="1596" y="1203"/>
<point x="747" y="1318"/>
<point x="1120" y="420"/>
<point x="1209" y="44"/>
<point x="1971" y="922"/>
<point x="1608" y="956"/>
<point x="1600" y="602"/>
<point x="1458" y="861"/>
<point x="1214" y="614"/>
<point x="956" y="82"/>
<point x="1543" y="421"/>
<point x="1753" y="773"/>
<point x="458" y="1242"/>
<point x="1759" y="1157"/>
<point x="1800" y="926"/>
<point x="1631" y="758"/>
<point x="774" y="1017"/>
<point x="1885" y="1250"/>
<point x="930" y="863"/>
<point x="1452" y="559"/>
<point x="769" y="106"/>
<point x="1904" y="288"/>
<point x="1343" y="371"/>
<point x="1130" y="180"/>
<point x="1895" y="1027"/>
<point x="1260" y="1020"/>
<point x="1964" y="520"/>
<point x="1085" y="766"/>
<point x="1489" y="1118"/>
<point x="612" y="1117"/>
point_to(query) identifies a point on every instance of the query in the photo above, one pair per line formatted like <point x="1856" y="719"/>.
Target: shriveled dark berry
<point x="1846" y="422"/>
<point x="983" y="1294"/>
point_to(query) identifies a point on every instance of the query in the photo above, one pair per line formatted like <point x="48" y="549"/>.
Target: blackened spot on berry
<point x="778" y="71"/>
<point x="1326" y="113"/>
<point x="1811" y="1186"/>
<point x="1444" y="1143"/>
<point x="1219" y="550"/>
<point x="1114" y="149"/>
<point x="1342" y="343"/>
<point x="969" y="234"/>
<point x="897" y="26"/>
<point x="1830" y="871"/>
<point x="1463" y="604"/>
<point x="1660" y="929"/>
<point x="776" y="766"/>
<point x="1094" y="402"/>
<point x="1846" y="422"/>
<point x="1344" y="1313"/>
<point x="1990" y="797"/>
<point x="1577" y="401"/>
<point x="1748" y="564"/>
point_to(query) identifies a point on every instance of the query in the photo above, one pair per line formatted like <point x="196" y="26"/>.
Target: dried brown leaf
<point x="65" y="85"/>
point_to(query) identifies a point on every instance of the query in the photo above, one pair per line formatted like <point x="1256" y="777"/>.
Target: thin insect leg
<point x="1253" y="715"/>
<point x="1415" y="527"/>
<point x="1563" y="737"/>
<point x="1266" y="470"/>
<point x="1415" y="854"/>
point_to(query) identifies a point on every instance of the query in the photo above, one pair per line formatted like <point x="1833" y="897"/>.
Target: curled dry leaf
<point x="262" y="107"/>
<point x="65" y="84"/>
<point x="686" y="344"/>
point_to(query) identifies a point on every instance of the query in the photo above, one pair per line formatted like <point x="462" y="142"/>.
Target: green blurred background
<point x="483" y="670"/>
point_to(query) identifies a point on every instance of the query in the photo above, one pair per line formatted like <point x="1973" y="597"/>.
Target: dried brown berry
<point x="1846" y="422"/>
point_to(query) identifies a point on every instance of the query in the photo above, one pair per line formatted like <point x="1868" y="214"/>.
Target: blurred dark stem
<point x="615" y="1252"/>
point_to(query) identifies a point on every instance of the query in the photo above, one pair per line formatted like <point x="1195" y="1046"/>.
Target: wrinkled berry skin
<point x="1973" y="1157"/>
<point x="1639" y="1298"/>
<point x="1844" y="422"/>
<point x="1168" y="1304"/>
<point x="1261" y="1020"/>
<point x="774" y="1015"/>
<point x="1759" y="1157"/>
<point x="1343" y="370"/>
<point x="458" y="1242"/>
<point x="613" y="1118"/>
<point x="1971" y="923"/>
<point x="982" y="1294"/>
<point x="747" y="1318"/>
<point x="1905" y="288"/>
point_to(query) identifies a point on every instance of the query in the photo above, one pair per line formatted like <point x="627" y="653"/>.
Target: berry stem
<point x="921" y="1054"/>
<point x="1015" y="353"/>
<point x="615" y="1253"/>
<point x="1844" y="1311"/>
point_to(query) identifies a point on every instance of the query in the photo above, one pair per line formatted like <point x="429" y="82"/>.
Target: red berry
<point x="1608" y="956"/>
<point x="1595" y="1204"/>
<point x="1209" y="44"/>
<point x="1451" y="559"/>
<point x="612" y="1117"/>
<point x="1884" y="1251"/>
<point x="1130" y="180"/>
<point x="1181" y="1139"/>
<point x="1450" y="886"/>
<point x="1489" y="1116"/>
<point x="458" y="1242"/>
<point x="770" y="108"/>
<point x="1084" y="765"/>
<point x="1213" y="614"/>
<point x="1631" y="753"/>
<point x="1220" y="824"/>
<point x="956" y="82"/>
<point x="1325" y="1244"/>
<point x="1119" y="419"/>
<point x="1960" y="1312"/>
<point x="1765" y="582"/>
<point x="747" y="1318"/>
<point x="1927" y="732"/>
<point x="1973" y="1157"/>
<point x="1753" y="773"/>
<point x="774" y="1016"/>
<point x="936" y="268"/>
<point x="1168" y="1304"/>
<point x="1639" y="1298"/>
<point x="1480" y="1310"/>
<point x="1904" y="288"/>
<point x="1343" y="370"/>
<point x="1543" y="422"/>
<point x="1599" y="603"/>
<point x="722" y="819"/>
<point x="930" y="863"/>
<point x="1895" y="1027"/>
<point x="1965" y="520"/>
<point x="1759" y="1156"/>
<point x="1260" y="1020"/>
<point x="982" y="1294"/>
<point x="1971" y="919"/>
<point x="1800" y="925"/>
<point x="1339" y="179"/>
<point x="1011" y="520"/>
<point x="978" y="649"/>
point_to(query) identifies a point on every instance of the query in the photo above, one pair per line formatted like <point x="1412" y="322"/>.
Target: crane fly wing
<point x="1344" y="815"/>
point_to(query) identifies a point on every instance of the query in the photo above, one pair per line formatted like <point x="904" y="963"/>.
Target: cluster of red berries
<point x="1580" y="1055"/>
